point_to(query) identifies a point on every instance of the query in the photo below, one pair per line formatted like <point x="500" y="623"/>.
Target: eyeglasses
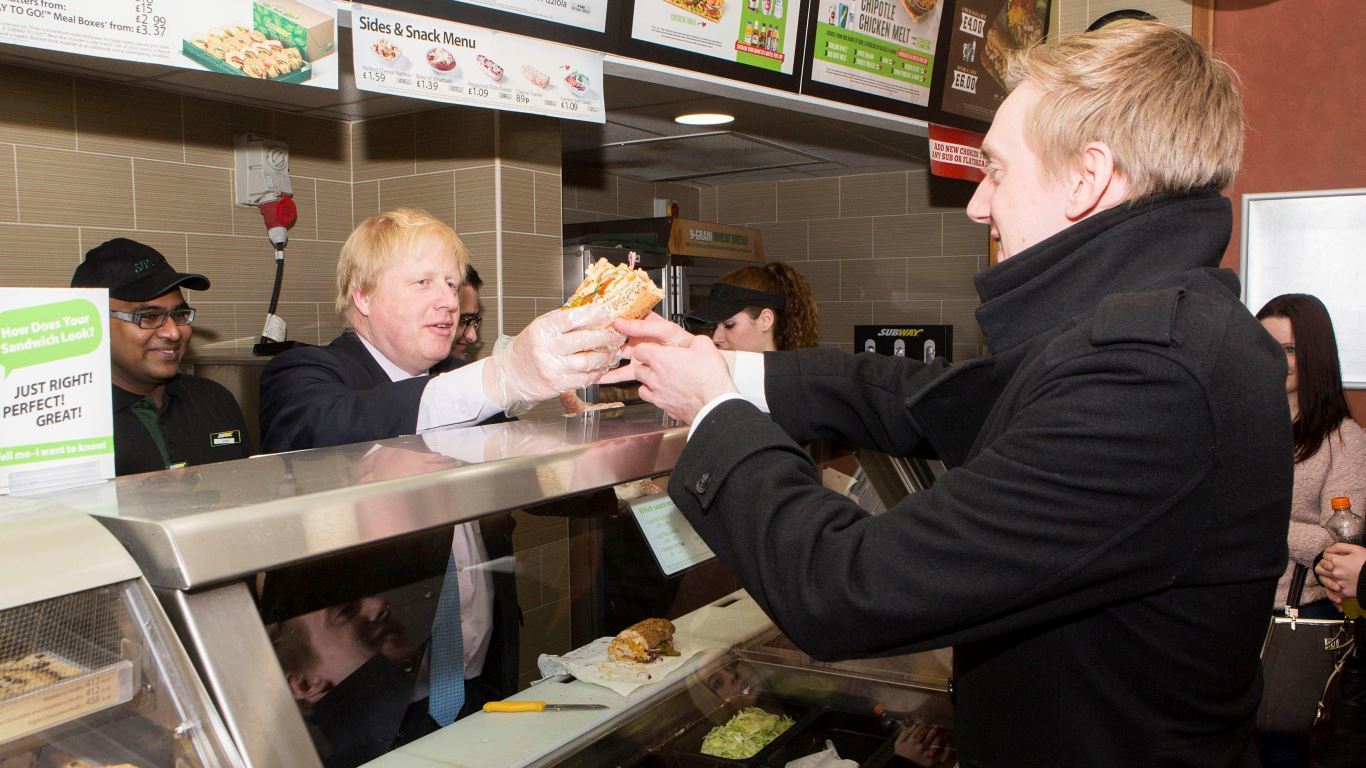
<point x="152" y="320"/>
<point x="470" y="321"/>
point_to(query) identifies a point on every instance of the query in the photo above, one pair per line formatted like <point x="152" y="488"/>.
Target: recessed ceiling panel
<point x="689" y="157"/>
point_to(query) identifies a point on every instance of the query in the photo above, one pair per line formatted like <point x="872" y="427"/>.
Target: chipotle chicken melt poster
<point x="756" y="33"/>
<point x="879" y="47"/>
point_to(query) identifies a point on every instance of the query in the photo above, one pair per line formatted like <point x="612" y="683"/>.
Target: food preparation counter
<point x="862" y="707"/>
<point x="303" y="586"/>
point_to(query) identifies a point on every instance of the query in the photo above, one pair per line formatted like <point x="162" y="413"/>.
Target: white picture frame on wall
<point x="1311" y="242"/>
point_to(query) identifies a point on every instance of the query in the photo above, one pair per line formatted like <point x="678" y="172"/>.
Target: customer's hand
<point x="1339" y="571"/>
<point x="559" y="351"/>
<point x="652" y="329"/>
<point x="681" y="379"/>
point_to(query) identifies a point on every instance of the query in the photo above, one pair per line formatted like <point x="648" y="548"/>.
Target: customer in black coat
<point x="1103" y="552"/>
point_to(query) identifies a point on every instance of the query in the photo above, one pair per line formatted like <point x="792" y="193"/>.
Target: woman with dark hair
<point x="1330" y="448"/>
<point x="761" y="309"/>
<point x="1330" y="460"/>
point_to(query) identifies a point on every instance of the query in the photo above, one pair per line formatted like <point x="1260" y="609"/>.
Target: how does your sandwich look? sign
<point x="56" y="413"/>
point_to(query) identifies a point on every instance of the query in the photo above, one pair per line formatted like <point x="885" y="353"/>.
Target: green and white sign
<point x="672" y="539"/>
<point x="56" y="411"/>
<point x="879" y="47"/>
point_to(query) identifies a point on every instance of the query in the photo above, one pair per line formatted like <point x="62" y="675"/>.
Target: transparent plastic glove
<point x="559" y="351"/>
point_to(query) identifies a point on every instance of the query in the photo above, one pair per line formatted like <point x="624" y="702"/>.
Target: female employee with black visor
<point x="765" y="308"/>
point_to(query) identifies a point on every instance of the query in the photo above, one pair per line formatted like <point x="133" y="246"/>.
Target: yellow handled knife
<point x="535" y="706"/>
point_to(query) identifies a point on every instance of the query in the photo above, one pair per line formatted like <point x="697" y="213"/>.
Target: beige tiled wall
<point x="600" y="197"/>
<point x="876" y="248"/>
<point x="83" y="161"/>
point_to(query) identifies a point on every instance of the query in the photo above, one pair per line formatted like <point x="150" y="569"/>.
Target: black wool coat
<point x="1104" y="550"/>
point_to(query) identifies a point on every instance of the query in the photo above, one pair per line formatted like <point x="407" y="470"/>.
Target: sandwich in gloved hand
<point x="627" y="292"/>
<point x="643" y="642"/>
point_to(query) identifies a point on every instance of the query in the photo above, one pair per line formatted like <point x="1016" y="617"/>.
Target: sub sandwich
<point x="918" y="8"/>
<point x="643" y="642"/>
<point x="626" y="292"/>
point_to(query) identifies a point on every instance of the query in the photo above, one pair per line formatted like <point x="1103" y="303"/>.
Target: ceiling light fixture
<point x="704" y="118"/>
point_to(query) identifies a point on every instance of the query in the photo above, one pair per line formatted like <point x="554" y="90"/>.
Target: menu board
<point x="408" y="55"/>
<point x="285" y="41"/>
<point x="755" y="33"/>
<point x="584" y="14"/>
<point x="882" y="48"/>
<point x="983" y="33"/>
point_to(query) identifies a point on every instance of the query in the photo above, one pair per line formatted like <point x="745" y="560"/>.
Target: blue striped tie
<point x="448" y="653"/>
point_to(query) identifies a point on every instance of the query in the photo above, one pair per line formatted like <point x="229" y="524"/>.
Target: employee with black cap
<point x="765" y="308"/>
<point x="162" y="419"/>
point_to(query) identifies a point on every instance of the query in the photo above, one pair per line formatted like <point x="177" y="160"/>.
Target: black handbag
<point x="1339" y="737"/>
<point x="1298" y="658"/>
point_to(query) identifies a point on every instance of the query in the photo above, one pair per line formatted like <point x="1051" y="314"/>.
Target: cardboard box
<point x="297" y="25"/>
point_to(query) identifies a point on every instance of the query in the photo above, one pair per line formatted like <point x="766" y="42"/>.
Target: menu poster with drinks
<point x="56" y="409"/>
<point x="285" y="41"/>
<point x="882" y="48"/>
<point x="584" y="14"/>
<point x="983" y="33"/>
<point x="408" y="55"/>
<point x="756" y="33"/>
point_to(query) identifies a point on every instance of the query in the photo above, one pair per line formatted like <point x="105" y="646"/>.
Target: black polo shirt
<point x="199" y="422"/>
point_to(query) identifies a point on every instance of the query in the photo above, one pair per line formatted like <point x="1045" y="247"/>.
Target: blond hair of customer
<point x="1169" y="111"/>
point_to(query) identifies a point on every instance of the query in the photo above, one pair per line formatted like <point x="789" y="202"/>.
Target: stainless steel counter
<point x="204" y="525"/>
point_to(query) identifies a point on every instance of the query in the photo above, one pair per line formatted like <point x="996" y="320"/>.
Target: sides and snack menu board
<point x="756" y="33"/>
<point x="882" y="48"/>
<point x="288" y="41"/>
<point x="584" y="14"/>
<point x="408" y="55"/>
<point x="983" y="32"/>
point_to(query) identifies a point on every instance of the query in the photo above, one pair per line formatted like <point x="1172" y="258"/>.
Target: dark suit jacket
<point x="334" y="395"/>
<point x="1104" y="550"/>
<point x="313" y="397"/>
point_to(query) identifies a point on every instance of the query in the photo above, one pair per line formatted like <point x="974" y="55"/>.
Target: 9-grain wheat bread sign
<point x="284" y="41"/>
<point x="56" y="409"/>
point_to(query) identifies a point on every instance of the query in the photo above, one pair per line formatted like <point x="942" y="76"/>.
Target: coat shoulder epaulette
<point x="1149" y="317"/>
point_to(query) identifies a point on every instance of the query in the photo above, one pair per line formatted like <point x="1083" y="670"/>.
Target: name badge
<point x="231" y="437"/>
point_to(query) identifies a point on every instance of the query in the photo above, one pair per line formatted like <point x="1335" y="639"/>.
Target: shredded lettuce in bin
<point x="745" y="734"/>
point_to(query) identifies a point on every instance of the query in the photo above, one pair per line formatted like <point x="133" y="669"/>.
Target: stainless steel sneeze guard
<point x="203" y="525"/>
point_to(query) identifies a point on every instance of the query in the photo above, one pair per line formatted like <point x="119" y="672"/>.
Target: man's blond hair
<point x="1169" y="111"/>
<point x="386" y="239"/>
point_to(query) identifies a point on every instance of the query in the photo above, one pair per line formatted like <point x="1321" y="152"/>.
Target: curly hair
<point x="795" y="326"/>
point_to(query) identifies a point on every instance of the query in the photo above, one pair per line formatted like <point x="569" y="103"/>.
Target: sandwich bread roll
<point x="642" y="642"/>
<point x="626" y="292"/>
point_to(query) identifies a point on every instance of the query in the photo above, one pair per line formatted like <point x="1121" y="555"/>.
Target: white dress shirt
<point x="445" y="401"/>
<point x="452" y="398"/>
<point x="748" y="377"/>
